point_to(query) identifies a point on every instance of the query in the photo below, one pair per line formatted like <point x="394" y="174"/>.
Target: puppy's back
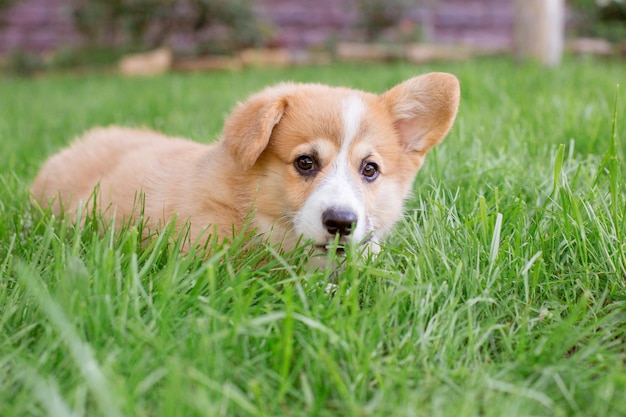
<point x="72" y="174"/>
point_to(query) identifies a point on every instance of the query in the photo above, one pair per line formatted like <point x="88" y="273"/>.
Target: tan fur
<point x="251" y="169"/>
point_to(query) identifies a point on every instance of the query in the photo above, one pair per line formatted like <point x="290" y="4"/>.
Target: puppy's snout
<point x="339" y="222"/>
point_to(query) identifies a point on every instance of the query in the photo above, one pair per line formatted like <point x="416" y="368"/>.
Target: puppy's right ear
<point x="248" y="129"/>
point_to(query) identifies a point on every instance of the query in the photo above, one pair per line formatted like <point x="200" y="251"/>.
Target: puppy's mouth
<point x="340" y="247"/>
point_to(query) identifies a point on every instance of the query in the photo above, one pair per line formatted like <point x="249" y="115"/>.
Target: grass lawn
<point x="502" y="293"/>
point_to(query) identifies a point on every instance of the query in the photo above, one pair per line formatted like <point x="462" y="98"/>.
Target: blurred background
<point x="187" y="35"/>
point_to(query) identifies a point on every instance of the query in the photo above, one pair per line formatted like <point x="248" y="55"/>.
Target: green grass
<point x="502" y="293"/>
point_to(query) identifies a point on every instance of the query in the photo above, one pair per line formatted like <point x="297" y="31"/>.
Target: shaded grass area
<point x="502" y="292"/>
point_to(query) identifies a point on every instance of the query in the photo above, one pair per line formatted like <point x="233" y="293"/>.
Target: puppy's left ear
<point x="423" y="109"/>
<point x="248" y="129"/>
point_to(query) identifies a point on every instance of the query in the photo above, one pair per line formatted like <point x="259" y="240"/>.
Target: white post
<point x="540" y="30"/>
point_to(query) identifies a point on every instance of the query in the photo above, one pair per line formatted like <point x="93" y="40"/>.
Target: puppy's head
<point x="323" y="162"/>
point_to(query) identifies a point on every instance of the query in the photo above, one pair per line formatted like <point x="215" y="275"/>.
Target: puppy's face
<point x="333" y="162"/>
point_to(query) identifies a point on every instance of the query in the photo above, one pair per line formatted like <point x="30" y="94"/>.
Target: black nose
<point x="339" y="221"/>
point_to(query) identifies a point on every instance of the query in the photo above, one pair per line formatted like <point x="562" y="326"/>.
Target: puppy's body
<point x="307" y="161"/>
<point x="170" y="177"/>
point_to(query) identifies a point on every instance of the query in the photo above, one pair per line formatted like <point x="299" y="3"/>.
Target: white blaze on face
<point x="338" y="189"/>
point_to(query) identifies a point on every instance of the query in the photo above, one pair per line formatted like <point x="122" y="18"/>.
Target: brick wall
<point x="298" y="23"/>
<point x="483" y="22"/>
<point x="37" y="25"/>
<point x="44" y="25"/>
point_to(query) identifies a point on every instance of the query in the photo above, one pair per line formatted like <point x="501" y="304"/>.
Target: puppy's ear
<point x="248" y="129"/>
<point x="423" y="109"/>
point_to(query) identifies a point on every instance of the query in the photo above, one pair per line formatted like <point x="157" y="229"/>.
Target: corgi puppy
<point x="306" y="162"/>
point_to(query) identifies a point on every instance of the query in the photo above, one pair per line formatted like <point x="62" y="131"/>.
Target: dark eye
<point x="369" y="171"/>
<point x="305" y="165"/>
